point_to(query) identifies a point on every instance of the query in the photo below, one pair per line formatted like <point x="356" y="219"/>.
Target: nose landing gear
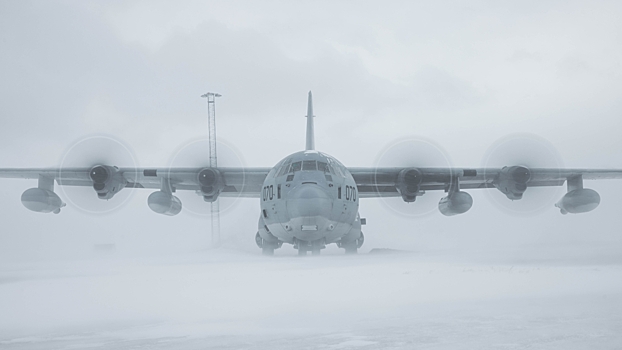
<point x="304" y="246"/>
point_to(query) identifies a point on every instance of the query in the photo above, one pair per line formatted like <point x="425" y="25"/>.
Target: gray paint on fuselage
<point x="324" y="198"/>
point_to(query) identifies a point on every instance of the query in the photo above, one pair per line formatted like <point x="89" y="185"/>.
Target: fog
<point x="460" y="77"/>
<point x="229" y="299"/>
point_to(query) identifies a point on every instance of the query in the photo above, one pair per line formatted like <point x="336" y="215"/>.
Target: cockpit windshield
<point x="327" y="166"/>
<point x="295" y="167"/>
<point x="309" y="165"/>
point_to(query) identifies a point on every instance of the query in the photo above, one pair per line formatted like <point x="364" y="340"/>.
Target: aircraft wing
<point x="396" y="182"/>
<point x="232" y="182"/>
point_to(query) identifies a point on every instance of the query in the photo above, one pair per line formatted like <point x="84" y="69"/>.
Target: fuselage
<point x="309" y="199"/>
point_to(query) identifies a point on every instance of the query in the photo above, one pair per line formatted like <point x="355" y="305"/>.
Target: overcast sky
<point x="461" y="75"/>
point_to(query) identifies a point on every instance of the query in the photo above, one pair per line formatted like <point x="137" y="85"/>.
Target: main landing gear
<point x="267" y="247"/>
<point x="351" y="250"/>
<point x="352" y="246"/>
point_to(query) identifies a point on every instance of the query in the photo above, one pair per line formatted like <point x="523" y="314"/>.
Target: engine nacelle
<point x="579" y="201"/>
<point x="107" y="181"/>
<point x="456" y="203"/>
<point x="512" y="181"/>
<point x="211" y="183"/>
<point x="164" y="203"/>
<point x="409" y="183"/>
<point x="42" y="201"/>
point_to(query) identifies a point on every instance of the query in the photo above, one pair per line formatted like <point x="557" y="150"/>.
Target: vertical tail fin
<point x="310" y="134"/>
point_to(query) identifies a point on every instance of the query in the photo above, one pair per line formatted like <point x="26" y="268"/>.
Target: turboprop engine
<point x="578" y="201"/>
<point x="107" y="181"/>
<point x="211" y="183"/>
<point x="512" y="181"/>
<point x="409" y="183"/>
<point x="42" y="201"/>
<point x="164" y="203"/>
<point x="455" y="203"/>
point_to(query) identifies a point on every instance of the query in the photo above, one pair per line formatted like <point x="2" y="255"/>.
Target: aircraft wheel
<point x="302" y="252"/>
<point x="315" y="252"/>
<point x="351" y="250"/>
<point x="267" y="251"/>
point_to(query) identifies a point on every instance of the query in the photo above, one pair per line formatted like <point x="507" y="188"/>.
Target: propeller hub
<point x="99" y="174"/>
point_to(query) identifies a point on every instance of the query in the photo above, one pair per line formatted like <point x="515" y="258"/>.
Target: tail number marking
<point x="268" y="192"/>
<point x="351" y="193"/>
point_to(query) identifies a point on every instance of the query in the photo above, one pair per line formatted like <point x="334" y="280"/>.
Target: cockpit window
<point x="338" y="171"/>
<point x="309" y="165"/>
<point x="334" y="168"/>
<point x="284" y="168"/>
<point x="295" y="167"/>
<point x="326" y="168"/>
<point x="323" y="167"/>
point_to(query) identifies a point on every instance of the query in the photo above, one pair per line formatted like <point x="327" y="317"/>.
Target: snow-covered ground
<point x="227" y="299"/>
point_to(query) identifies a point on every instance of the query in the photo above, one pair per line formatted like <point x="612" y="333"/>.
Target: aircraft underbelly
<point x="309" y="229"/>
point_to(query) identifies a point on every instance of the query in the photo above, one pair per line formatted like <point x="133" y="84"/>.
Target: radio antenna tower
<point x="213" y="162"/>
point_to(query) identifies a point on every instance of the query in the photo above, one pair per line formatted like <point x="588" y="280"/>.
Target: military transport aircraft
<point x="309" y="199"/>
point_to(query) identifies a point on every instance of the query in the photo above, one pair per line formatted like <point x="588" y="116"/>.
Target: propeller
<point x="412" y="152"/>
<point x="95" y="152"/>
<point x="527" y="151"/>
<point x="195" y="154"/>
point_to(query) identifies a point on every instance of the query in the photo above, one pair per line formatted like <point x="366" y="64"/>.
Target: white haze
<point x="460" y="75"/>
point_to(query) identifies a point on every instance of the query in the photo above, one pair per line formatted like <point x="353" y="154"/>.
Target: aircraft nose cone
<point x="308" y="200"/>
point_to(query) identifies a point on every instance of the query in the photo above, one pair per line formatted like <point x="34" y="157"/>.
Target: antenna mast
<point x="213" y="162"/>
